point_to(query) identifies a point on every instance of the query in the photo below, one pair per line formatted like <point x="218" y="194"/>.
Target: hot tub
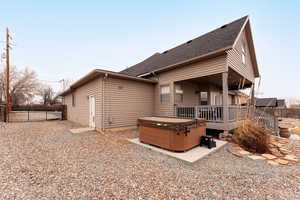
<point x="171" y="133"/>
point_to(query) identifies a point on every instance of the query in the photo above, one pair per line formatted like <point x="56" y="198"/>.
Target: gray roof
<point x="281" y="103"/>
<point x="265" y="102"/>
<point x="217" y="39"/>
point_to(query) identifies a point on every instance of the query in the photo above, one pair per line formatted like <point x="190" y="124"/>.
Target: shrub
<point x="252" y="137"/>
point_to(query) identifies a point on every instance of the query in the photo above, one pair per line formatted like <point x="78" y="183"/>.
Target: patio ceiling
<point x="235" y="81"/>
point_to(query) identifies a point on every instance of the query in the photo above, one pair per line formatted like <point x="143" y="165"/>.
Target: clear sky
<point x="67" y="39"/>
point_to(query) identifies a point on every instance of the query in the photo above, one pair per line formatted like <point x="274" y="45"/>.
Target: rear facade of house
<point x="194" y="79"/>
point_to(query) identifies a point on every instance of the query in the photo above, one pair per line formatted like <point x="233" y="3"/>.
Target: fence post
<point x="276" y="127"/>
<point x="46" y="116"/>
<point x="64" y="115"/>
<point x="28" y="115"/>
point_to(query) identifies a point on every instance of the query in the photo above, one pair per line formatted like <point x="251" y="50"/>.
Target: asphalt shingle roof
<point x="266" y="102"/>
<point x="215" y="40"/>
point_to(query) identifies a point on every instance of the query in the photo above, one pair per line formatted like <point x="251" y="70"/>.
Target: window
<point x="73" y="99"/>
<point x="243" y="54"/>
<point x="203" y="98"/>
<point x="164" y="93"/>
<point x="178" y="94"/>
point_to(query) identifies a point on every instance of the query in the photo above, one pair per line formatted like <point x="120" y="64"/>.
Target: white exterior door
<point x="92" y="110"/>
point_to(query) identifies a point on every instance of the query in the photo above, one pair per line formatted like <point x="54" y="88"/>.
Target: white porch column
<point x="225" y="97"/>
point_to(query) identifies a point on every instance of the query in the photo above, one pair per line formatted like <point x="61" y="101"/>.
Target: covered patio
<point x="215" y="98"/>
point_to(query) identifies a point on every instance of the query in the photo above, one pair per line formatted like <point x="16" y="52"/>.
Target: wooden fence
<point x="2" y="113"/>
<point x="284" y="112"/>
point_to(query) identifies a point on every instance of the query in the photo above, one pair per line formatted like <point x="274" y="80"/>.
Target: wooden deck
<point x="215" y="116"/>
<point x="223" y="126"/>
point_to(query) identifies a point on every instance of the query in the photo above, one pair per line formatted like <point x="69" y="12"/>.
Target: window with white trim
<point x="164" y="93"/>
<point x="178" y="94"/>
<point x="73" y="99"/>
<point x="203" y="98"/>
<point x="243" y="54"/>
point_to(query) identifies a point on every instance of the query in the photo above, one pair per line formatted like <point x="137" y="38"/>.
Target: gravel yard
<point x="43" y="160"/>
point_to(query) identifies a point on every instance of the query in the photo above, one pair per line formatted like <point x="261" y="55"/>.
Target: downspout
<point x="103" y="101"/>
<point x="154" y="103"/>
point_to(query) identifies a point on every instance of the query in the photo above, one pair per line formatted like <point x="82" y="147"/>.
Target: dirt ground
<point x="43" y="160"/>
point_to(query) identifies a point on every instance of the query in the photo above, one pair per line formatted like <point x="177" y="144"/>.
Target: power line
<point x="50" y="81"/>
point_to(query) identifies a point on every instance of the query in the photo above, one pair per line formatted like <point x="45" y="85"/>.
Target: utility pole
<point x="7" y="75"/>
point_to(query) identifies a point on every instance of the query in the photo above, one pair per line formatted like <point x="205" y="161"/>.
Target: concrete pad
<point x="81" y="130"/>
<point x="190" y="156"/>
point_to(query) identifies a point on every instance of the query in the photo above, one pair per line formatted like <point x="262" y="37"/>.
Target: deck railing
<point x="236" y="113"/>
<point x="266" y="120"/>
<point x="211" y="113"/>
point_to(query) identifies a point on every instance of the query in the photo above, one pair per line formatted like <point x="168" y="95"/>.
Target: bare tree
<point x="23" y="85"/>
<point x="47" y="93"/>
<point x="65" y="84"/>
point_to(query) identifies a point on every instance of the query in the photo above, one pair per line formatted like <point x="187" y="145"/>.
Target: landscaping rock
<point x="243" y="152"/>
<point x="44" y="161"/>
<point x="285" y="150"/>
<point x="271" y="162"/>
<point x="294" y="137"/>
<point x="291" y="158"/>
<point x="234" y="152"/>
<point x="268" y="156"/>
<point x="281" y="161"/>
<point x="276" y="152"/>
<point x="255" y="157"/>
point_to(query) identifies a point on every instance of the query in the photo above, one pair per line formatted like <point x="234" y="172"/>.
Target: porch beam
<point x="225" y="98"/>
<point x="172" y="99"/>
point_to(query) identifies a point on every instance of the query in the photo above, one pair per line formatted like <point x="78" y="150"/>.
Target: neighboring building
<point x="239" y="98"/>
<point x="270" y="103"/>
<point x="281" y="103"/>
<point x="193" y="79"/>
<point x="266" y="102"/>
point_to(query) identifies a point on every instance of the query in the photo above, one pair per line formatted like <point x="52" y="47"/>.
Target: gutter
<point x="97" y="73"/>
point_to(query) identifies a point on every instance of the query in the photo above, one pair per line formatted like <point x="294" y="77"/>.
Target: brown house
<point x="194" y="79"/>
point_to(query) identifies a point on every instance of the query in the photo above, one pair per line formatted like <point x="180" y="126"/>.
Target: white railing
<point x="211" y="113"/>
<point x="236" y="113"/>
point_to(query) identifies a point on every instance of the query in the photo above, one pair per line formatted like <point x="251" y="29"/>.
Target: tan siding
<point x="189" y="93"/>
<point x="200" y="69"/>
<point x="164" y="108"/>
<point x="126" y="101"/>
<point x="80" y="112"/>
<point x="235" y="59"/>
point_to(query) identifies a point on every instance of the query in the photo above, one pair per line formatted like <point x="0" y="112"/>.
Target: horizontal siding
<point x="204" y="68"/>
<point x="235" y="59"/>
<point x="80" y="112"/>
<point x="200" y="69"/>
<point x="126" y="101"/>
<point x="164" y="108"/>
